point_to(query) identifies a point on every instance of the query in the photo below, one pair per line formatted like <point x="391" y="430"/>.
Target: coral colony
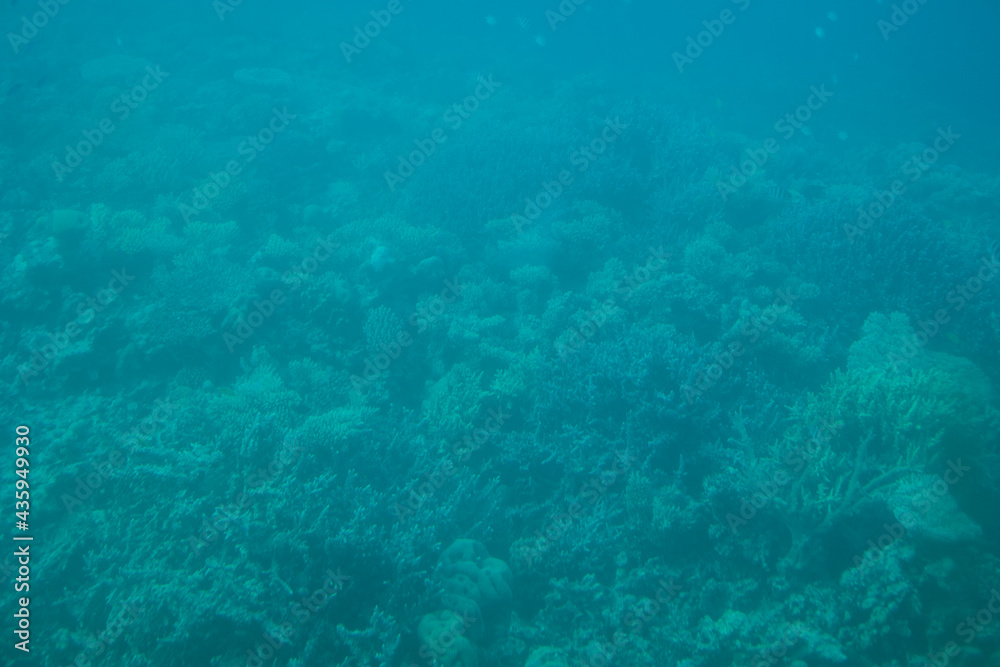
<point x="560" y="334"/>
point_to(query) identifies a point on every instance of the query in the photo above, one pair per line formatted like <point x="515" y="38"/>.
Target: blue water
<point x="525" y="334"/>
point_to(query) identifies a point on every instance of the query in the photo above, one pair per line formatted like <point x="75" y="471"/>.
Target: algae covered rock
<point x="443" y="638"/>
<point x="467" y="569"/>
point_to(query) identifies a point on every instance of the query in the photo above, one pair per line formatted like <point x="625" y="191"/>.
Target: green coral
<point x="776" y="330"/>
<point x="663" y="508"/>
<point x="877" y="424"/>
<point x="457" y="600"/>
<point x="469" y="581"/>
<point x="473" y="588"/>
<point x="280" y="252"/>
<point x="586" y="229"/>
<point x="703" y="259"/>
<point x="129" y="231"/>
<point x="516" y="386"/>
<point x="408" y="244"/>
<point x="547" y="656"/>
<point x="534" y="284"/>
<point x="382" y="328"/>
<point x="338" y="428"/>
<point x="442" y="638"/>
<point x="212" y="236"/>
<point x="258" y="395"/>
<point x="456" y="403"/>
<point x="467" y="566"/>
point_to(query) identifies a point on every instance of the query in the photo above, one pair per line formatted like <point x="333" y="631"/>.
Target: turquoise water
<point x="528" y="334"/>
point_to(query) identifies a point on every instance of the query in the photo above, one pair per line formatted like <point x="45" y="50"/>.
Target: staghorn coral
<point x="130" y="232"/>
<point x="337" y="430"/>
<point x="874" y="426"/>
<point x="382" y="327"/>
<point x="455" y="403"/>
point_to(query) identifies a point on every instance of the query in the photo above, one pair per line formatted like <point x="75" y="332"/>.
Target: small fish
<point x="776" y="192"/>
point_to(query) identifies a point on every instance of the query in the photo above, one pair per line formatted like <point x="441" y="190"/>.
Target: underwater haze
<point x="543" y="333"/>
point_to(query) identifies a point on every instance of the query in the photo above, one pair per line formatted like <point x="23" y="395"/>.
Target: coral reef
<point x="546" y="364"/>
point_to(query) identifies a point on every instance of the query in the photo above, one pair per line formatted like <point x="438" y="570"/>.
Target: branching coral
<point x="874" y="426"/>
